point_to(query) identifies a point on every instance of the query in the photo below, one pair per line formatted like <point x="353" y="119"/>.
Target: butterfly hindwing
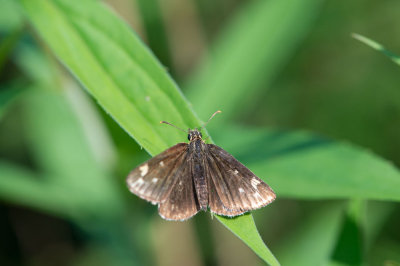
<point x="233" y="189"/>
<point x="154" y="179"/>
<point x="181" y="203"/>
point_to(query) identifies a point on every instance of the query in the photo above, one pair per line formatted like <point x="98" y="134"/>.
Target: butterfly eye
<point x="200" y="135"/>
<point x="188" y="136"/>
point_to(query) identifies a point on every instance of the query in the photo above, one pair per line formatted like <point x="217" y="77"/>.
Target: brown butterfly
<point x="187" y="178"/>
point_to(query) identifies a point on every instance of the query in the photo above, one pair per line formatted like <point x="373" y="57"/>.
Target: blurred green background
<point x="277" y="69"/>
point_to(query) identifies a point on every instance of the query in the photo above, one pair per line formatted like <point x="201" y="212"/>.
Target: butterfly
<point x="194" y="176"/>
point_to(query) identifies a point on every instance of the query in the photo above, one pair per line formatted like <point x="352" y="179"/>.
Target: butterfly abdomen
<point x="196" y="150"/>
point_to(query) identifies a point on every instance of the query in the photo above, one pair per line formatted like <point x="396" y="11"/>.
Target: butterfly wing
<point x="182" y="202"/>
<point x="154" y="179"/>
<point x="233" y="189"/>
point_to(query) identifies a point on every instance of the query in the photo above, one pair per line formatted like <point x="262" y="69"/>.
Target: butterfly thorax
<point x="197" y="148"/>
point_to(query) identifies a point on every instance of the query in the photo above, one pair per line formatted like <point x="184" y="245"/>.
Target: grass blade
<point x="377" y="46"/>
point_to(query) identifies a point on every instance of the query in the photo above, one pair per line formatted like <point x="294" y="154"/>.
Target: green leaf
<point x="313" y="242"/>
<point x="303" y="165"/>
<point x="23" y="187"/>
<point x="377" y="46"/>
<point x="116" y="68"/>
<point x="120" y="73"/>
<point x="243" y="227"/>
<point x="249" y="53"/>
<point x="67" y="165"/>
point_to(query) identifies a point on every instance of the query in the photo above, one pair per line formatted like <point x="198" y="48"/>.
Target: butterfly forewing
<point x="154" y="179"/>
<point x="181" y="203"/>
<point x="233" y="189"/>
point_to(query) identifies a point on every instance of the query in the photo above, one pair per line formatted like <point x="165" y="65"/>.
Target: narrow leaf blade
<point x="243" y="227"/>
<point x="377" y="46"/>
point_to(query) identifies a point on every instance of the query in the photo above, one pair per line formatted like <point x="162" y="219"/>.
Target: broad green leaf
<point x="303" y="165"/>
<point x="119" y="71"/>
<point x="116" y="68"/>
<point x="249" y="53"/>
<point x="377" y="46"/>
<point x="313" y="242"/>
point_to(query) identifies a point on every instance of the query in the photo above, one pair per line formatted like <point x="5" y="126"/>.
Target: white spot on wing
<point x="241" y="190"/>
<point x="154" y="180"/>
<point x="180" y="183"/>
<point x="255" y="182"/>
<point x="236" y="172"/>
<point x="144" y="169"/>
<point x="137" y="183"/>
<point x="258" y="198"/>
<point x="161" y="163"/>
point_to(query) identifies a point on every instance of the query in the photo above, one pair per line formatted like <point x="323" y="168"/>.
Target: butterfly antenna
<point x="164" y="122"/>
<point x="217" y="112"/>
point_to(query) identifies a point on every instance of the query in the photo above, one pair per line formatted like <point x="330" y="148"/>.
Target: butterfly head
<point x="194" y="135"/>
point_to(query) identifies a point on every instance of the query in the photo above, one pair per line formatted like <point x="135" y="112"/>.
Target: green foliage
<point x="130" y="85"/>
<point x="243" y="227"/>
<point x="85" y="43"/>
<point x="63" y="156"/>
<point x="317" y="234"/>
<point x="250" y="52"/>
<point x="303" y="165"/>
